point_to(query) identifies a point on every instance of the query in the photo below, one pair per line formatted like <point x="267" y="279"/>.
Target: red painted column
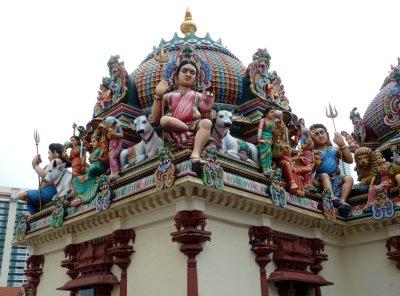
<point x="33" y="271"/>
<point x="191" y="237"/>
<point x="262" y="245"/>
<point x="122" y="251"/>
<point x="317" y="246"/>
<point x="69" y="263"/>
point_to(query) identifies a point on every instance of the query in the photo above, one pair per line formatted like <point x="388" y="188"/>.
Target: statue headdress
<point x="187" y="53"/>
<point x="113" y="60"/>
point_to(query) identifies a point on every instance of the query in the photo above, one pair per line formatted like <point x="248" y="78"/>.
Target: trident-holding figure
<point x="47" y="176"/>
<point x="334" y="184"/>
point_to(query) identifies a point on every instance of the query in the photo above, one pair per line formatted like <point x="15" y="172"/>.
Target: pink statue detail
<point x="388" y="181"/>
<point x="304" y="163"/>
<point x="114" y="135"/>
<point x="183" y="113"/>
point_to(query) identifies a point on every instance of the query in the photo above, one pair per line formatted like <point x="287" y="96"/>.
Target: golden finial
<point x="188" y="26"/>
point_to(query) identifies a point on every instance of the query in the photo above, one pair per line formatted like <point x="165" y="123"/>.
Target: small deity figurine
<point x="182" y="111"/>
<point x="76" y="159"/>
<point x="271" y="91"/>
<point x="282" y="153"/>
<point x="114" y="136"/>
<point x="305" y="162"/>
<point x="86" y="185"/>
<point x="48" y="189"/>
<point x="104" y="95"/>
<point x="280" y="131"/>
<point x="264" y="136"/>
<point x="258" y="72"/>
<point x="387" y="180"/>
<point x="328" y="173"/>
<point x="118" y="78"/>
<point x="359" y="126"/>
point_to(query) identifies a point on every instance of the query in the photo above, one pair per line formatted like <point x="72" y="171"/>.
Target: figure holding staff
<point x="36" y="198"/>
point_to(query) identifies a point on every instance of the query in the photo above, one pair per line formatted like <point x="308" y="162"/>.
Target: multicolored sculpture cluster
<point x="183" y="107"/>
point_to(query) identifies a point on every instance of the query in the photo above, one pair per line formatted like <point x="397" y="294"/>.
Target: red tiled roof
<point x="7" y="291"/>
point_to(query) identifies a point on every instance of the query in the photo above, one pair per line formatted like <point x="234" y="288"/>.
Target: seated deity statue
<point x="184" y="113"/>
<point x="328" y="173"/>
<point x="49" y="186"/>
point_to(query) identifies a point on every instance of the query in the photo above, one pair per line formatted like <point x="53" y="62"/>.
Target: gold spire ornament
<point x="188" y="26"/>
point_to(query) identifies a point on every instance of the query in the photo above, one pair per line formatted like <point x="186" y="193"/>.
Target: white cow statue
<point x="61" y="178"/>
<point x="147" y="148"/>
<point x="228" y="144"/>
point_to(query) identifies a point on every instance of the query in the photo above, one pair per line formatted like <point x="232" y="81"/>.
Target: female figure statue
<point x="388" y="180"/>
<point x="76" y="157"/>
<point x="114" y="135"/>
<point x="86" y="186"/>
<point x="182" y="112"/>
<point x="77" y="160"/>
<point x="264" y="136"/>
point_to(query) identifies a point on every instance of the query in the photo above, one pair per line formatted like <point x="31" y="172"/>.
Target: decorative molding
<point x="89" y="264"/>
<point x="135" y="203"/>
<point x="298" y="262"/>
<point x="191" y="237"/>
<point x="261" y="241"/>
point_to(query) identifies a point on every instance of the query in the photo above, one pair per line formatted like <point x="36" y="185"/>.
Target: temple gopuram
<point x="193" y="176"/>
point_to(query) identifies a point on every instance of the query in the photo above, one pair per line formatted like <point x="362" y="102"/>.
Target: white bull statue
<point x="228" y="144"/>
<point x="61" y="178"/>
<point x="147" y="148"/>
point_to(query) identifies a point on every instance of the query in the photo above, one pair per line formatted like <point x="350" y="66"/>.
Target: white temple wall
<point x="158" y="267"/>
<point x="368" y="272"/>
<point x="357" y="263"/>
<point x="53" y="275"/>
<point x="227" y="266"/>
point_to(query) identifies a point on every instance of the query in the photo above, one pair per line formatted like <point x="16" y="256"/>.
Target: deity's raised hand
<point x="338" y="140"/>
<point x="162" y="87"/>
<point x="36" y="160"/>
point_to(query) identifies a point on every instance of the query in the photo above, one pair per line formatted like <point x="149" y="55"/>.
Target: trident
<point x="37" y="140"/>
<point x="332" y="114"/>
<point x="161" y="57"/>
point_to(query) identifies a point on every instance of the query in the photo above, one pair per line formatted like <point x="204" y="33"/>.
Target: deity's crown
<point x="113" y="60"/>
<point x="188" y="54"/>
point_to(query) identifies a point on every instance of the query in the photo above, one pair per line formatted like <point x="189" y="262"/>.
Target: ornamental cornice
<point x="189" y="187"/>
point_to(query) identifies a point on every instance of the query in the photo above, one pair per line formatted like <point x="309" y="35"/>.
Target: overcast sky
<point x="54" y="54"/>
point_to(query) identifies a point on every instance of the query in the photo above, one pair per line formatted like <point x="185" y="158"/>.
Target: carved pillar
<point x="261" y="244"/>
<point x="317" y="246"/>
<point x="70" y="252"/>
<point x="121" y="250"/>
<point x="393" y="249"/>
<point x="33" y="271"/>
<point x="191" y="238"/>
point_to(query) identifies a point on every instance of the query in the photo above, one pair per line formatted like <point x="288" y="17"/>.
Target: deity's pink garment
<point x="183" y="106"/>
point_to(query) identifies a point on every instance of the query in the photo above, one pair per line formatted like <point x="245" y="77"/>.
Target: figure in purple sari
<point x="114" y="135"/>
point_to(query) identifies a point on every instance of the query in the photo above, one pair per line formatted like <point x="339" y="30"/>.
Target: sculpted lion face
<point x="366" y="162"/>
<point x="363" y="161"/>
